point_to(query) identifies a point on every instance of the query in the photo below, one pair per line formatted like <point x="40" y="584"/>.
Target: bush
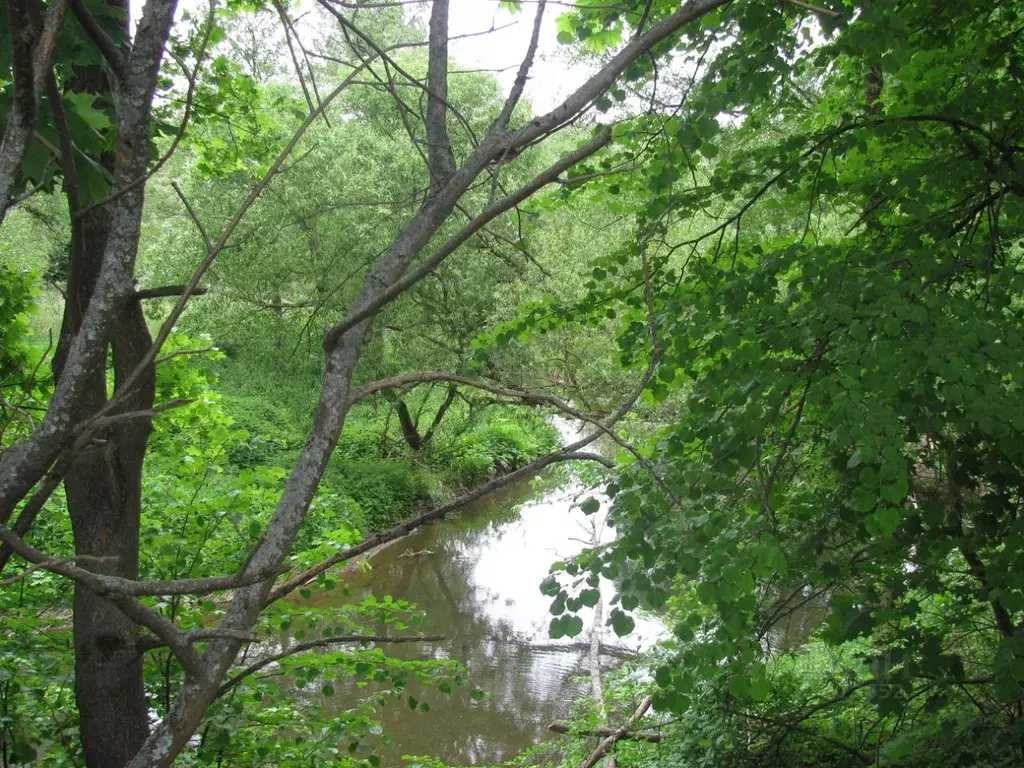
<point x="361" y="439"/>
<point x="271" y="435"/>
<point x="384" y="491"/>
<point x="503" y="443"/>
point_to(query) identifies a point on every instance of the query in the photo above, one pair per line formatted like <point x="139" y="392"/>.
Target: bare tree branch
<point x="288" y="31"/>
<point x="501" y="206"/>
<point x="501" y="123"/>
<point x="439" y="145"/>
<point x="609" y="742"/>
<point x="199" y="225"/>
<point x="47" y="565"/>
<point x="29" y="71"/>
<point x="166" y="291"/>
<point x="111" y="53"/>
<point x="163" y="628"/>
<point x="152" y="642"/>
<point x="30" y="511"/>
<point x="323" y="643"/>
<point x="815" y="8"/>
<point x="106" y="585"/>
<point x="566" y="729"/>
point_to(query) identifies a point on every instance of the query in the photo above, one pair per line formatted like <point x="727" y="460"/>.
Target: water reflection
<point x="476" y="576"/>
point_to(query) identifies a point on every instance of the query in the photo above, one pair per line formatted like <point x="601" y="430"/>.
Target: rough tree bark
<point x="33" y="43"/>
<point x="104" y="497"/>
<point x="104" y="481"/>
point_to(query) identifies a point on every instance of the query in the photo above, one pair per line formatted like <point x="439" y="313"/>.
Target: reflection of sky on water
<point x="511" y="559"/>
<point x="477" y="578"/>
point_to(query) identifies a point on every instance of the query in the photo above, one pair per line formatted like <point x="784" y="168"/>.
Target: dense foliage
<point x="836" y="317"/>
<point x="786" y="287"/>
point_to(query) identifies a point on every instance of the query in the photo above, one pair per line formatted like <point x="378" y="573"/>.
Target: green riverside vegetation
<point x="281" y="282"/>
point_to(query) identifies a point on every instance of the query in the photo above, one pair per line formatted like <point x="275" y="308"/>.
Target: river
<point x="476" y="577"/>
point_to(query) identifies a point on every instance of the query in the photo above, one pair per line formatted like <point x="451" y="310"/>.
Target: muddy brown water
<point x="476" y="578"/>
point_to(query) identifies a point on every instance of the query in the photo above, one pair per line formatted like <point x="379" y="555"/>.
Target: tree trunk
<point x="104" y="497"/>
<point x="409" y="429"/>
<point x="410" y="426"/>
<point x="104" y="493"/>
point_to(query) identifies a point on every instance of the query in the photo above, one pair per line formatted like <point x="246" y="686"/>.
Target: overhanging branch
<point x="569" y="453"/>
<point x="401" y="285"/>
<point x="323" y="643"/>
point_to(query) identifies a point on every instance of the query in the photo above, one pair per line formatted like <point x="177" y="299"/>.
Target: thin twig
<point x="196" y="220"/>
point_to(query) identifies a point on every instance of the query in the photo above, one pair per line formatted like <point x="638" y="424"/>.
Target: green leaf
<point x="886" y="521"/>
<point x="81" y="104"/>
<point x="590" y="506"/>
<point x="663" y="676"/>
<point x="622" y="623"/>
<point x="896" y="491"/>
<point x="550" y="586"/>
<point x="864" y="500"/>
<point x="558" y="606"/>
<point x="758" y="686"/>
<point x="738" y="685"/>
<point x="94" y="181"/>
<point x="683" y="632"/>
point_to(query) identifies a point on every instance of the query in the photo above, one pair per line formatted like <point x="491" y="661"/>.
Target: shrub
<point x="271" y="434"/>
<point x="384" y="490"/>
<point x="503" y="443"/>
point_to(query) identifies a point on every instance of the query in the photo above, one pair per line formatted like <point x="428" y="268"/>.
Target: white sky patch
<point x="554" y="74"/>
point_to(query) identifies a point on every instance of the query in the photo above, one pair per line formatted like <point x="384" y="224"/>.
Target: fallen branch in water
<point x="569" y="453"/>
<point x="618" y="735"/>
<point x="565" y="729"/>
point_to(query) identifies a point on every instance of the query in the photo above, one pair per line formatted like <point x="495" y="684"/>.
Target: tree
<point x="835" y="272"/>
<point x="86" y="435"/>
